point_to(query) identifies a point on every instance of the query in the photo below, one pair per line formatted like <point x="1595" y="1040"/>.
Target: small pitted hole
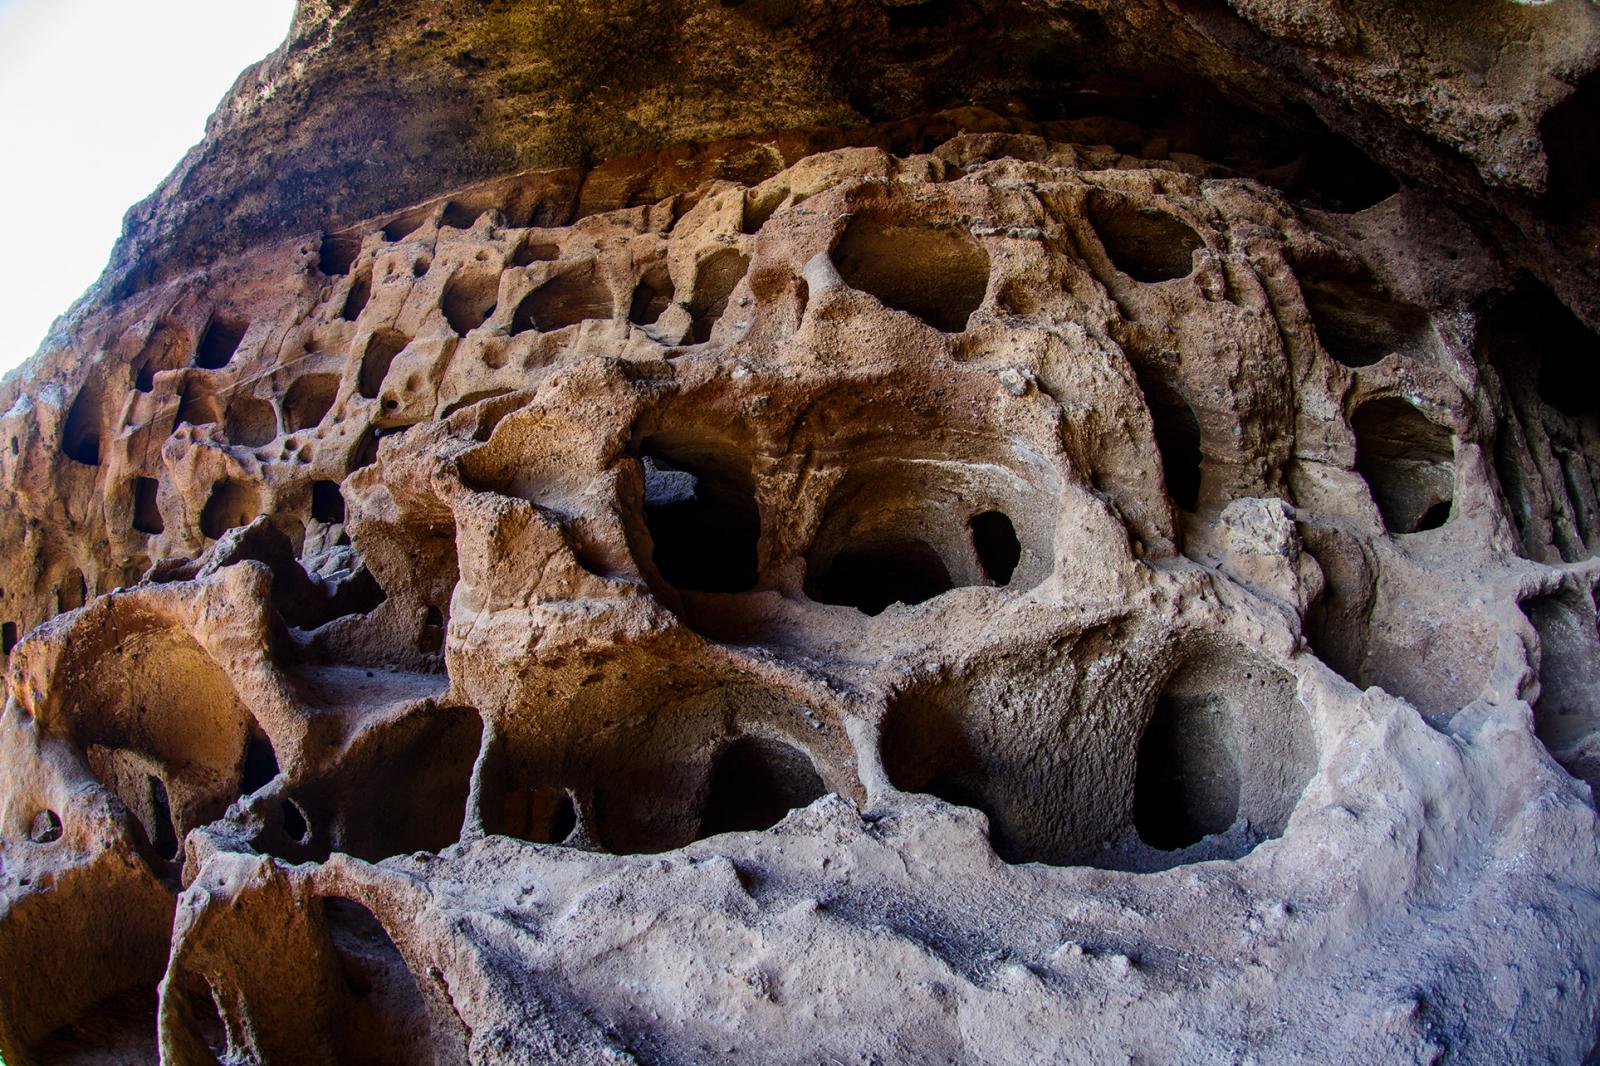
<point x="1408" y="461"/>
<point x="355" y="300"/>
<point x="251" y="422"/>
<point x="1144" y="243"/>
<point x="382" y="347"/>
<point x="995" y="539"/>
<point x="295" y="826"/>
<point x="938" y="274"/>
<point x="566" y="300"/>
<point x="714" y="282"/>
<point x="80" y="435"/>
<point x="879" y="571"/>
<point x="146" y="506"/>
<point x="163" y="835"/>
<point x="308" y="401"/>
<point x="756" y="782"/>
<point x="327" y="503"/>
<point x="231" y="504"/>
<point x="218" y="343"/>
<point x="391" y="405"/>
<point x="532" y="251"/>
<point x="260" y="765"/>
<point x="469" y="300"/>
<point x="651" y="296"/>
<point x="337" y="254"/>
<point x="700" y="508"/>
<point x="421" y="266"/>
<point x="46" y="828"/>
<point x="8" y="637"/>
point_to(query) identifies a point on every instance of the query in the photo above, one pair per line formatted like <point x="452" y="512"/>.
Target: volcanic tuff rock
<point x="784" y="532"/>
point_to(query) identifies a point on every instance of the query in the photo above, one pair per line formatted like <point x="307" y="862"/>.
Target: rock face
<point x="1064" y="577"/>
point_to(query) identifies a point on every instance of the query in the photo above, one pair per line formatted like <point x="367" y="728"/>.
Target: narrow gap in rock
<point x="757" y="782"/>
<point x="163" y="835"/>
<point x="700" y="509"/>
<point x="327" y="502"/>
<point x="295" y="825"/>
<point x="260" y="764"/>
<point x="995" y="539"/>
<point x="146" y="508"/>
<point x="8" y="637"/>
<point x="1177" y="433"/>
<point x="1566" y="713"/>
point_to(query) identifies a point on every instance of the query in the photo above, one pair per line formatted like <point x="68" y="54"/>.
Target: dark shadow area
<point x="995" y="539"/>
<point x="757" y="782"/>
<point x="700" y="509"/>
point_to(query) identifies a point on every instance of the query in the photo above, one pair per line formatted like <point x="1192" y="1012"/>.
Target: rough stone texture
<point x="1051" y="580"/>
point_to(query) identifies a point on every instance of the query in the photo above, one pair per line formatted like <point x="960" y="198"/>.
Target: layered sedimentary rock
<point x="1104" y="573"/>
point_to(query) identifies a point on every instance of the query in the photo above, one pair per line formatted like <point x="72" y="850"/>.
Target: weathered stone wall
<point x="1093" y="578"/>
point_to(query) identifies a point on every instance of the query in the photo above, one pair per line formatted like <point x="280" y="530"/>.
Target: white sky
<point x="99" y="99"/>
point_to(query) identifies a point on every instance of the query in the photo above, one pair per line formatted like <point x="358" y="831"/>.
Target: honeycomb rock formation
<point x="1001" y="583"/>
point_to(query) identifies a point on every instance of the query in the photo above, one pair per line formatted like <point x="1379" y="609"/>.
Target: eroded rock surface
<point x="966" y="588"/>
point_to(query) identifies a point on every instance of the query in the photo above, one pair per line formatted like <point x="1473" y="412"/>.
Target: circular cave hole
<point x="46" y="828"/>
<point x="757" y="781"/>
<point x="700" y="509"/>
<point x="1408" y="461"/>
<point x="1144" y="243"/>
<point x="938" y="274"/>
